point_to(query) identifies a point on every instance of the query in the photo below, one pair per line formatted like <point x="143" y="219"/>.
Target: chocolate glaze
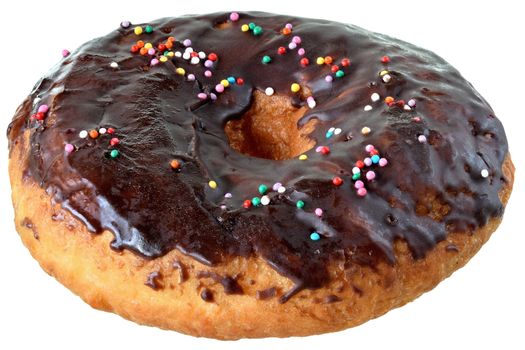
<point x="152" y="210"/>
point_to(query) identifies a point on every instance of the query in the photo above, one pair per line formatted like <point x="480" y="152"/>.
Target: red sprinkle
<point x="40" y="116"/>
<point x="337" y="181"/>
<point x="324" y="150"/>
<point x="304" y="61"/>
<point x="110" y="131"/>
<point x="240" y="81"/>
<point x="161" y="47"/>
<point x="385" y="59"/>
<point x="374" y="152"/>
<point x="114" y="141"/>
<point x="360" y="164"/>
<point x="247" y="203"/>
<point x="345" y="62"/>
<point x="194" y="54"/>
<point x="281" y="50"/>
<point x="213" y="57"/>
<point x="135" y="48"/>
<point x="334" y="68"/>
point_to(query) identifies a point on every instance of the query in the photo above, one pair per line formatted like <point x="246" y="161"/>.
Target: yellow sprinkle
<point x="180" y="71"/>
<point x="303" y="157"/>
<point x="138" y="30"/>
<point x="225" y="83"/>
<point x="212" y="184"/>
<point x="245" y="28"/>
<point x="365" y="131"/>
<point x="148" y="46"/>
<point x="383" y="72"/>
<point x="171" y="54"/>
<point x="295" y="87"/>
<point x="319" y="60"/>
<point x="163" y="58"/>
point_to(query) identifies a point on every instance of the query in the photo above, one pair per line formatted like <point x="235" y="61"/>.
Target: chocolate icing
<point x="152" y="209"/>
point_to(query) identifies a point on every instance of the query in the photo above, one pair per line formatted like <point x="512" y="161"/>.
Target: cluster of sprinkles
<point x="96" y="134"/>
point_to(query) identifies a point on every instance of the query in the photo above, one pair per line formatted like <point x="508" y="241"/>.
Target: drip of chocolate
<point x="427" y="190"/>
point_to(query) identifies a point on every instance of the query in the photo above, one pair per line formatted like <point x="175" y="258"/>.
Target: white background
<point x="480" y="306"/>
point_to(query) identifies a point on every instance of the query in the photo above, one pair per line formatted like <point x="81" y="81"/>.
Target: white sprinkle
<point x="265" y="200"/>
<point x="281" y="189"/>
<point x="422" y="138"/>
<point x="269" y="91"/>
<point x="337" y="131"/>
<point x="195" y="60"/>
<point x="387" y="78"/>
<point x="375" y="97"/>
<point x="36" y="100"/>
<point x="228" y="195"/>
<point x="178" y="54"/>
<point x="102" y="131"/>
<point x="113" y="64"/>
<point x="368" y="108"/>
<point x="407" y="108"/>
<point x="188" y="49"/>
<point x="484" y="173"/>
<point x="83" y="134"/>
<point x="332" y="129"/>
<point x="365" y="130"/>
<point x="356" y="170"/>
<point x="202" y="55"/>
<point x="186" y="56"/>
<point x="312" y="103"/>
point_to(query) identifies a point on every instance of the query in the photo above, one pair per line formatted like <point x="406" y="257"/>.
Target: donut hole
<point x="269" y="129"/>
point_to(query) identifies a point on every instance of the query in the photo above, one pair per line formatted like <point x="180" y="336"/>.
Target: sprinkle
<point x="318" y="211"/>
<point x="386" y="78"/>
<point x="375" y="97"/>
<point x="111" y="131"/>
<point x="257" y="30"/>
<point x="195" y="60"/>
<point x="328" y="78"/>
<point x="369" y="148"/>
<point x="202" y="96"/>
<point x="265" y="200"/>
<point x="228" y="195"/>
<point x="65" y="53"/>
<point x="304" y="62"/>
<point x="330" y="132"/>
<point x="163" y="59"/>
<point x="43" y="109"/>
<point x="359" y="184"/>
<point x="328" y="59"/>
<point x="301" y="52"/>
<point x="256" y="201"/>
<point x="337" y="131"/>
<point x="125" y="24"/>
<point x="288" y="26"/>
<point x="263" y="188"/>
<point x="240" y="81"/>
<point x="247" y="203"/>
<point x="234" y="16"/>
<point x="93" y="134"/>
<point x="361" y="192"/>
<point x="231" y="80"/>
<point x="356" y="170"/>
<point x="113" y="65"/>
<point x="389" y="99"/>
<point x="212" y="56"/>
<point x="319" y="60"/>
<point x="323" y="150"/>
<point x="292" y="46"/>
<point x="219" y="88"/>
<point x="180" y="71"/>
<point x="114" y="153"/>
<point x="339" y="74"/>
<point x="286" y="31"/>
<point x="334" y="68"/>
<point x="281" y="50"/>
<point x="383" y="162"/>
<point x="303" y="157"/>
<point x="314" y="236"/>
<point x="208" y="74"/>
<point x="102" y="131"/>
<point x="422" y="138"/>
<point x="411" y="103"/>
<point x="281" y="189"/>
<point x="367" y="161"/>
<point x="175" y="164"/>
<point x="367" y="108"/>
<point x="337" y="181"/>
<point x="178" y="54"/>
<point x="187" y="43"/>
<point x="484" y="173"/>
<point x="365" y="130"/>
<point x="296" y="39"/>
<point x="276" y="186"/>
<point x="375" y="159"/>
<point x="154" y="62"/>
<point x="370" y="175"/>
<point x="213" y="96"/>
<point x="148" y="29"/>
<point x="269" y="91"/>
<point x="69" y="148"/>
<point x="356" y="176"/>
<point x="191" y="77"/>
<point x="212" y="184"/>
<point x="345" y="62"/>
<point x="114" y="141"/>
<point x="311" y="102"/>
<point x="225" y="82"/>
<point x="299" y="204"/>
<point x="295" y="87"/>
<point x="138" y="30"/>
<point x="385" y="59"/>
<point x="266" y="59"/>
<point x="245" y="28"/>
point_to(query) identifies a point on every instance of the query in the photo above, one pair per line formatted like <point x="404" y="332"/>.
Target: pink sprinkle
<point x="359" y="184"/>
<point x="318" y="211"/>
<point x="191" y="77"/>
<point x="422" y="138"/>
<point x="318" y="149"/>
<point x="276" y="186"/>
<point x="368" y="161"/>
<point x="296" y="39"/>
<point x="370" y="175"/>
<point x="219" y="88"/>
<point x="154" y="62"/>
<point x="65" y="53"/>
<point x="383" y="162"/>
<point x="301" y="52"/>
<point x="289" y="26"/>
<point x="329" y="78"/>
<point x="361" y="192"/>
<point x="43" y="108"/>
<point x="69" y="148"/>
<point x="208" y="74"/>
<point x="369" y="148"/>
<point x="202" y="95"/>
<point x="292" y="45"/>
<point x="416" y="119"/>
<point x="151" y="51"/>
<point x="234" y="16"/>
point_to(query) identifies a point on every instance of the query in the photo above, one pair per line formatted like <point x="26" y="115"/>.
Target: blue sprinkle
<point x="329" y="134"/>
<point x="375" y="159"/>
<point x="231" y="80"/>
<point x="314" y="236"/>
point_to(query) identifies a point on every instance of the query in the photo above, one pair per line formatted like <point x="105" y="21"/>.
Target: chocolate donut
<point x="251" y="174"/>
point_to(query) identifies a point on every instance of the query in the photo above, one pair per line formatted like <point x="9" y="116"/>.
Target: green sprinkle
<point x="148" y="29"/>
<point x="257" y="30"/>
<point x="263" y="188"/>
<point x="114" y="153"/>
<point x="266" y="59"/>
<point x="256" y="201"/>
<point x="356" y="176"/>
<point x="339" y="74"/>
<point x="314" y="236"/>
<point x="251" y="25"/>
<point x="300" y="204"/>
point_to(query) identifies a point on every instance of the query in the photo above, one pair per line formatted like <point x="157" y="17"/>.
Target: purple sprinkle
<point x="367" y="161"/>
<point x="125" y="24"/>
<point x="289" y="25"/>
<point x="328" y="78"/>
<point x="412" y="103"/>
<point x="276" y="186"/>
<point x="292" y="45"/>
<point x="186" y="42"/>
<point x="208" y="63"/>
<point x="154" y="62"/>
<point x="213" y="96"/>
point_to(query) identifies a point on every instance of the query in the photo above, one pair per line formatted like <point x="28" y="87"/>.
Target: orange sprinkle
<point x="175" y="164"/>
<point x="93" y="134"/>
<point x="389" y="99"/>
<point x="168" y="44"/>
<point x="143" y="51"/>
<point x="286" y="31"/>
<point x="171" y="38"/>
<point x="140" y="43"/>
<point x="328" y="60"/>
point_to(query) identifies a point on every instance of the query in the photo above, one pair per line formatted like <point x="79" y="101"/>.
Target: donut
<point x="244" y="175"/>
